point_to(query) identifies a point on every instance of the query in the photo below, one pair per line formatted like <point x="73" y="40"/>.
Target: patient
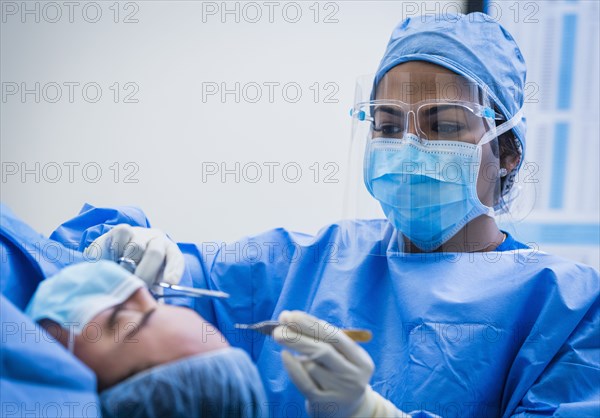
<point x="150" y="359"/>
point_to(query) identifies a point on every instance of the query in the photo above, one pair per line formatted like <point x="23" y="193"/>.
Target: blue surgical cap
<point x="221" y="383"/>
<point x="474" y="46"/>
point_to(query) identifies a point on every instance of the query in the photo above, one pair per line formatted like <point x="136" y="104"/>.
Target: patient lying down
<point x="150" y="359"/>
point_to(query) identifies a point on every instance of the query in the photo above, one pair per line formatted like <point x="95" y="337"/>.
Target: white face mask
<point x="78" y="293"/>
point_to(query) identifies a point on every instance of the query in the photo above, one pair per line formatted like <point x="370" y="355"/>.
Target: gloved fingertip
<point x="286" y="355"/>
<point x="290" y="362"/>
<point x="299" y="317"/>
<point x="169" y="279"/>
<point x="285" y="316"/>
<point x="172" y="277"/>
<point x="277" y="334"/>
<point x="123" y="227"/>
<point x="285" y="335"/>
<point x="93" y="252"/>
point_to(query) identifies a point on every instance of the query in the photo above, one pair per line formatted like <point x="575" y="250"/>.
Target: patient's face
<point x="139" y="334"/>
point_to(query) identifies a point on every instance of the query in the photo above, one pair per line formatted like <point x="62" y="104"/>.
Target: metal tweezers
<point x="192" y="291"/>
<point x="267" y="327"/>
<point x="130" y="265"/>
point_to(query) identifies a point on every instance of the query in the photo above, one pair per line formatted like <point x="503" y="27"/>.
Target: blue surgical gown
<point x="503" y="333"/>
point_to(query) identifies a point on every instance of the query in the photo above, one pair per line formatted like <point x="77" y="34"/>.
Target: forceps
<point x="130" y="265"/>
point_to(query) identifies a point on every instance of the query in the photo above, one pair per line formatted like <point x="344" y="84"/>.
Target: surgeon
<point x="466" y="321"/>
<point x="151" y="359"/>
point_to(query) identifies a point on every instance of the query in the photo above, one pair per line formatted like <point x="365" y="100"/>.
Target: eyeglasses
<point x="433" y="119"/>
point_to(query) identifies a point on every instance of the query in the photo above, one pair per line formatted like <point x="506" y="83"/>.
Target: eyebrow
<point x="139" y="326"/>
<point x="439" y="108"/>
<point x="389" y="109"/>
<point x="113" y="316"/>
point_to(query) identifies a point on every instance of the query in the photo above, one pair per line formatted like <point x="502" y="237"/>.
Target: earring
<point x="503" y="172"/>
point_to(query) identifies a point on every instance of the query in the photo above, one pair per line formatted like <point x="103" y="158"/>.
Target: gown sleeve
<point x="92" y="222"/>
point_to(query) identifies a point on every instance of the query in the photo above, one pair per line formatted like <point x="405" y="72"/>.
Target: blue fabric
<point x="510" y="243"/>
<point x="17" y="266"/>
<point x="513" y="332"/>
<point x="221" y="383"/>
<point x="84" y="229"/>
<point x="475" y="46"/>
<point x="38" y="377"/>
<point x="27" y="258"/>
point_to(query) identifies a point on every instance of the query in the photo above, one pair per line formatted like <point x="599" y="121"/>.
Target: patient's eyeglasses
<point x="179" y="291"/>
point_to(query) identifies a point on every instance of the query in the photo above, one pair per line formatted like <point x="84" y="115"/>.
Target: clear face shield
<point x="425" y="146"/>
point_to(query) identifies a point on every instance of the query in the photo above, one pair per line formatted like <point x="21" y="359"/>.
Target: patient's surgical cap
<point x="474" y="46"/>
<point x="78" y="293"/>
<point x="221" y="383"/>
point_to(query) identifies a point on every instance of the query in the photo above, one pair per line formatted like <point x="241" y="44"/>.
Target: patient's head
<point x="151" y="359"/>
<point x="119" y="329"/>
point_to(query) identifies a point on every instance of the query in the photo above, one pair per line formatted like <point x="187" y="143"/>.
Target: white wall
<point x="171" y="131"/>
<point x="169" y="52"/>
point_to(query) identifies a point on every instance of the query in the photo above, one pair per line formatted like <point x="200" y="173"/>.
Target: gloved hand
<point x="157" y="258"/>
<point x="332" y="371"/>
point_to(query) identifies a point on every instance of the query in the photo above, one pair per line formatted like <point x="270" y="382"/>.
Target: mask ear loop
<point x="504" y="127"/>
<point x="495" y="133"/>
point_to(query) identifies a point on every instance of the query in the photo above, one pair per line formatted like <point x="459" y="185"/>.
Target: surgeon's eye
<point x="388" y="128"/>
<point x="447" y="128"/>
